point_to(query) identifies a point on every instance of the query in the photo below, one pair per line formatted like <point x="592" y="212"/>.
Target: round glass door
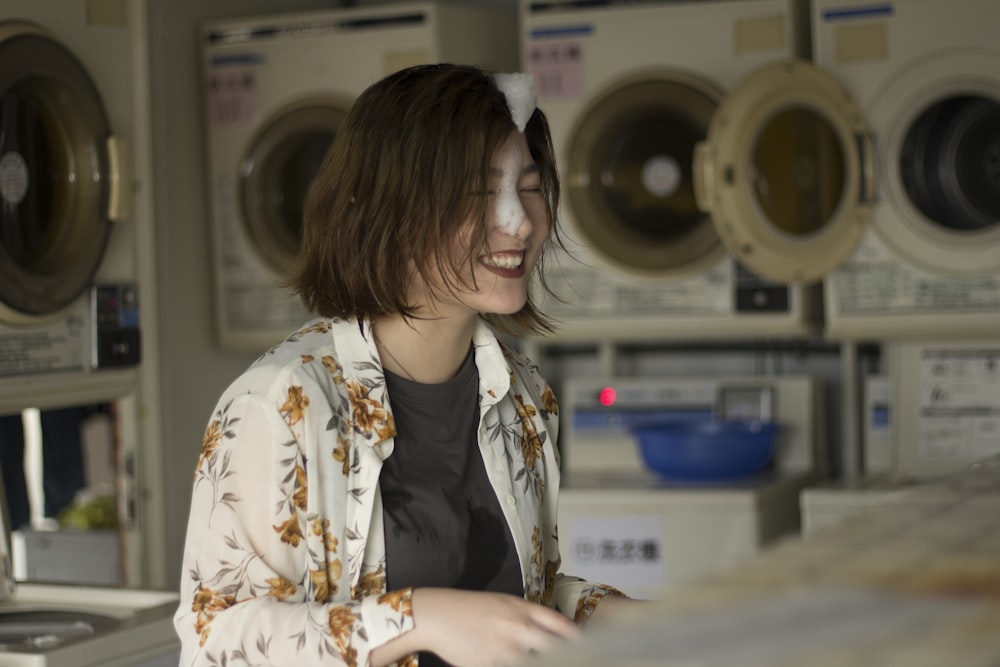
<point x="950" y="163"/>
<point x="628" y="177"/>
<point x="796" y="173"/>
<point x="940" y="159"/>
<point x="55" y="175"/>
<point x="276" y="174"/>
<point x="786" y="173"/>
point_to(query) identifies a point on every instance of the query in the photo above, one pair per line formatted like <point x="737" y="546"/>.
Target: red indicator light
<point x="608" y="396"/>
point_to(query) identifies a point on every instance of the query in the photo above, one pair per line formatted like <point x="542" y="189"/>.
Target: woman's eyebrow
<point x="529" y="170"/>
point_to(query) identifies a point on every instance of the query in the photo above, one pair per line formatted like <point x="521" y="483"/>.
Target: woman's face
<point x="517" y="214"/>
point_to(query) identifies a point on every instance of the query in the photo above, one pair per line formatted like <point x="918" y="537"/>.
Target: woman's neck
<point x="428" y="351"/>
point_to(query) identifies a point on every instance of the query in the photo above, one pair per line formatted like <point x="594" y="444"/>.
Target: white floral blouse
<point x="284" y="561"/>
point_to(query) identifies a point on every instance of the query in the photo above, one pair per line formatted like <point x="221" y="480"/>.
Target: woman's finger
<point x="554" y="622"/>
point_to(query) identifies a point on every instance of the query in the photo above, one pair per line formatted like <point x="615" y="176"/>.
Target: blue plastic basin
<point x="706" y="450"/>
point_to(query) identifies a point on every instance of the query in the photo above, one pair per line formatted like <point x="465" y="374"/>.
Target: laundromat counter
<point x="915" y="583"/>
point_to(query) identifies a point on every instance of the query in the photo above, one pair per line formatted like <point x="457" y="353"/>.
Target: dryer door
<point x="628" y="174"/>
<point x="787" y="172"/>
<point x="62" y="177"/>
<point x="939" y="129"/>
<point x="276" y="173"/>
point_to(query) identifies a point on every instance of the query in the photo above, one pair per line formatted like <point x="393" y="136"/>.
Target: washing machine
<point x="629" y="90"/>
<point x="84" y="626"/>
<point x="277" y="89"/>
<point x="927" y="75"/>
<point x="625" y="525"/>
<point x="69" y="298"/>
<point x="899" y="119"/>
<point x="46" y="625"/>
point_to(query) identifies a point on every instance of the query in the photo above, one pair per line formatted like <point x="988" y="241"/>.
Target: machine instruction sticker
<point x="557" y="65"/>
<point x="590" y="291"/>
<point x="231" y="94"/>
<point x="873" y="283"/>
<point x="960" y="403"/>
<point x="61" y="345"/>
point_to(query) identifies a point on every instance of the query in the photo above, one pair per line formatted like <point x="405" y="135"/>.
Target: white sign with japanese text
<point x="626" y="551"/>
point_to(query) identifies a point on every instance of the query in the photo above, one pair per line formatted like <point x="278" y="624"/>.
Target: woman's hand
<point x="478" y="629"/>
<point x="469" y="628"/>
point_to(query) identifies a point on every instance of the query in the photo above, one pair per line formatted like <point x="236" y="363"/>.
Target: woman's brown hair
<point x="406" y="171"/>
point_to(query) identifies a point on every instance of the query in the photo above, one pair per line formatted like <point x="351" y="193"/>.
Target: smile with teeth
<point x="504" y="260"/>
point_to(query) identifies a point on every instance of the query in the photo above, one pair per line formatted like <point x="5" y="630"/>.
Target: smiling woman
<point x="382" y="485"/>
<point x="404" y="216"/>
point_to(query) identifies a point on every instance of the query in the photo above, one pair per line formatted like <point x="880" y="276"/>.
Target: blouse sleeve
<point x="574" y="597"/>
<point x="263" y="581"/>
<point x="578" y="599"/>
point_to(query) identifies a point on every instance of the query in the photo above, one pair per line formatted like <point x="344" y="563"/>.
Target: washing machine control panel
<point x="116" y="335"/>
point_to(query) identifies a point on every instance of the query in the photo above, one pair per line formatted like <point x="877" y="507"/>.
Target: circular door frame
<point x="60" y="83"/>
<point x="273" y="246"/>
<point x="900" y="225"/>
<point x="684" y="256"/>
<point x="727" y="155"/>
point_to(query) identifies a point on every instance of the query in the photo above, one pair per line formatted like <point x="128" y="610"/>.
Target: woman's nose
<point x="524" y="228"/>
<point x="511" y="217"/>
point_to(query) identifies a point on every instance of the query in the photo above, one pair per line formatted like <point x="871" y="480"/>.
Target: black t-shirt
<point x="443" y="522"/>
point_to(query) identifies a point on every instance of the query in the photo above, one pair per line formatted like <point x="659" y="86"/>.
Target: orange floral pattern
<point x="342" y="620"/>
<point x="281" y="589"/>
<point x="294" y="408"/>
<point x="398" y="600"/>
<point x="207" y="603"/>
<point x="371" y="419"/>
<point x="371" y="583"/>
<point x="342" y="453"/>
<point x="590" y="598"/>
<point x="210" y="442"/>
